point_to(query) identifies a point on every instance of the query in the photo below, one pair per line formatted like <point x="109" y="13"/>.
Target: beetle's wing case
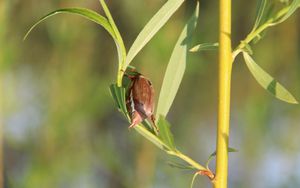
<point x="140" y="99"/>
<point x="143" y="96"/>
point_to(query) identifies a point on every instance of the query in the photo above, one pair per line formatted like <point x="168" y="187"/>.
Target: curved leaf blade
<point x="118" y="94"/>
<point x="121" y="47"/>
<point x="152" y="27"/>
<point x="215" y="153"/>
<point x="292" y="8"/>
<point x="193" y="180"/>
<point x="176" y="66"/>
<point x="205" y="46"/>
<point x="268" y="82"/>
<point x="86" y="13"/>
<point x="260" y="13"/>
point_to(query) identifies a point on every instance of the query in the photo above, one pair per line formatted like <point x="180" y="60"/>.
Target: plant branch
<point x="225" y="65"/>
<point x="254" y="33"/>
<point x="160" y="144"/>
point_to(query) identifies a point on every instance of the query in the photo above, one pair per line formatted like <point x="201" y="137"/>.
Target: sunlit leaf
<point x="176" y="66"/>
<point x="152" y="27"/>
<point x="165" y="133"/>
<point x="285" y="1"/>
<point x="120" y="43"/>
<point x="205" y="46"/>
<point x="268" y="82"/>
<point x="215" y="153"/>
<point x="86" y="13"/>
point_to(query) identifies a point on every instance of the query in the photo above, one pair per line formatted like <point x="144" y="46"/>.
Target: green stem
<point x="120" y="76"/>
<point x="119" y="43"/>
<point x="156" y="141"/>
<point x="225" y="65"/>
<point x="3" y="20"/>
<point x="269" y="23"/>
<point x="188" y="160"/>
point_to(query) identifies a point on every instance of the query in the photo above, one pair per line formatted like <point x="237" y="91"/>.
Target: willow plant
<point x="267" y="16"/>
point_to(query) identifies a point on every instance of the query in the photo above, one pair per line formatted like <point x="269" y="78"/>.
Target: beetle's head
<point x="129" y="76"/>
<point x="131" y="72"/>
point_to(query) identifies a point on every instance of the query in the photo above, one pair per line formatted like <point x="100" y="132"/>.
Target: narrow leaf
<point x="121" y="46"/>
<point x="118" y="94"/>
<point x="110" y="18"/>
<point x="292" y="8"/>
<point x="165" y="133"/>
<point x="152" y="27"/>
<point x="260" y="12"/>
<point x="176" y="66"/>
<point x="215" y="153"/>
<point x="205" y="46"/>
<point x="86" y="13"/>
<point x="113" y="93"/>
<point x="268" y="82"/>
<point x="193" y="180"/>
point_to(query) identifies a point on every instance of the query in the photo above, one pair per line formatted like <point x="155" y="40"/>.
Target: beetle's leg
<point x="136" y="119"/>
<point x="153" y="123"/>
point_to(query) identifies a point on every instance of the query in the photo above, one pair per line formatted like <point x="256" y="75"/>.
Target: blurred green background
<point x="61" y="128"/>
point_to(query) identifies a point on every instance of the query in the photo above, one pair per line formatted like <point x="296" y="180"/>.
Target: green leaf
<point x="86" y="13"/>
<point x="292" y="8"/>
<point x="193" y="180"/>
<point x="152" y="27"/>
<point x="268" y="82"/>
<point x="260" y="13"/>
<point x="205" y="46"/>
<point x="95" y="17"/>
<point x="120" y="44"/>
<point x="118" y="94"/>
<point x="215" y="153"/>
<point x="165" y="133"/>
<point x="176" y="66"/>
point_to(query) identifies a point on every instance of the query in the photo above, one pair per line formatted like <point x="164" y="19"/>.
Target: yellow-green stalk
<point x="225" y="66"/>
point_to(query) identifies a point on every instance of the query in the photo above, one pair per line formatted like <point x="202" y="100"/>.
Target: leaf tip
<point x="294" y="101"/>
<point x="27" y="33"/>
<point x="25" y="37"/>
<point x="194" y="49"/>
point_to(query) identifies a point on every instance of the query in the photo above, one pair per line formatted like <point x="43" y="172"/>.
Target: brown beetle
<point x="140" y="99"/>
